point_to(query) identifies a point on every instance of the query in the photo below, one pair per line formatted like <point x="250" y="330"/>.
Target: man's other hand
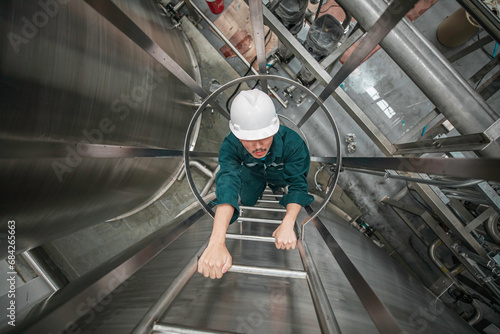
<point x="215" y="261"/>
<point x="284" y="235"/>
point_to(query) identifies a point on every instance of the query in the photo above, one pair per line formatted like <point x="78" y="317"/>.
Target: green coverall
<point x="286" y="164"/>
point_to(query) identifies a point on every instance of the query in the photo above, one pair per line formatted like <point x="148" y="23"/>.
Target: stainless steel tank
<point x="68" y="78"/>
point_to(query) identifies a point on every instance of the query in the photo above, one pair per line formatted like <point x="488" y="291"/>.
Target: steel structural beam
<point x="255" y="7"/>
<point x="433" y="225"/>
<point x="430" y="71"/>
<point x="387" y="20"/>
<point x="472" y="142"/>
<point x="471" y="48"/>
<point x="324" y="78"/>
<point x="447" y="216"/>
<point x="114" y="15"/>
<point x="466" y="168"/>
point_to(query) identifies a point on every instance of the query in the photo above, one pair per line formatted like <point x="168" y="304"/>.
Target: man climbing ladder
<point x="258" y="152"/>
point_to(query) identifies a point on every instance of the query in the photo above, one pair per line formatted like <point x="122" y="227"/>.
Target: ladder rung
<point x="267" y="201"/>
<point x="271" y="195"/>
<point x="249" y="237"/>
<point x="259" y="208"/>
<point x="259" y="220"/>
<point x="268" y="271"/>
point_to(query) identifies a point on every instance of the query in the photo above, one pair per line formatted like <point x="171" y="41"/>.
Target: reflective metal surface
<point x="71" y="79"/>
<point x="264" y="304"/>
<point x="242" y="302"/>
<point x="380" y="315"/>
<point x="467" y="168"/>
<point x="415" y="309"/>
<point x="389" y="18"/>
<point x="103" y="284"/>
<point x="255" y="7"/>
<point x="430" y="71"/>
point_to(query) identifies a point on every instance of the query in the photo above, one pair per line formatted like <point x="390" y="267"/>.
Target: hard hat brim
<point x="268" y="131"/>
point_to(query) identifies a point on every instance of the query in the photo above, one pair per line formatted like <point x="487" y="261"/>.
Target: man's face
<point x="257" y="148"/>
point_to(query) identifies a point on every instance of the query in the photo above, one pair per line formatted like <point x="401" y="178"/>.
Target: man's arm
<point x="284" y="234"/>
<point x="216" y="260"/>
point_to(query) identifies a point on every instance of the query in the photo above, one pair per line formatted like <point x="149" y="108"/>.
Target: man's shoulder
<point x="289" y="136"/>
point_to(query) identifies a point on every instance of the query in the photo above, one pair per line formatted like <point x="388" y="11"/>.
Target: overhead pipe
<point x="430" y="71"/>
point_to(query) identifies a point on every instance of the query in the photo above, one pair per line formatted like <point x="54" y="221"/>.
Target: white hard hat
<point x="253" y="116"/>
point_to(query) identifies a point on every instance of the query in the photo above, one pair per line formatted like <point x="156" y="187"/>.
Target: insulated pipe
<point x="430" y="71"/>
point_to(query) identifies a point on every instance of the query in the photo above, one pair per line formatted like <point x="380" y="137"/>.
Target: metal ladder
<point x="267" y="204"/>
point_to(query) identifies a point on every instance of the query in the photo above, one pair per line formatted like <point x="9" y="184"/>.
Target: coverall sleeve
<point x="228" y="179"/>
<point x="297" y="162"/>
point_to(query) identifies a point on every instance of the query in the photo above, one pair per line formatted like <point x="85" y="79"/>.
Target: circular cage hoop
<point x="211" y="99"/>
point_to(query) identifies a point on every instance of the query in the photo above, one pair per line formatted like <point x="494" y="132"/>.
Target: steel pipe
<point x="42" y="270"/>
<point x="430" y="71"/>
<point x="478" y="315"/>
<point x="210" y="182"/>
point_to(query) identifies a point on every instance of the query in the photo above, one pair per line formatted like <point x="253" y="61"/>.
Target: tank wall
<point x="68" y="76"/>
